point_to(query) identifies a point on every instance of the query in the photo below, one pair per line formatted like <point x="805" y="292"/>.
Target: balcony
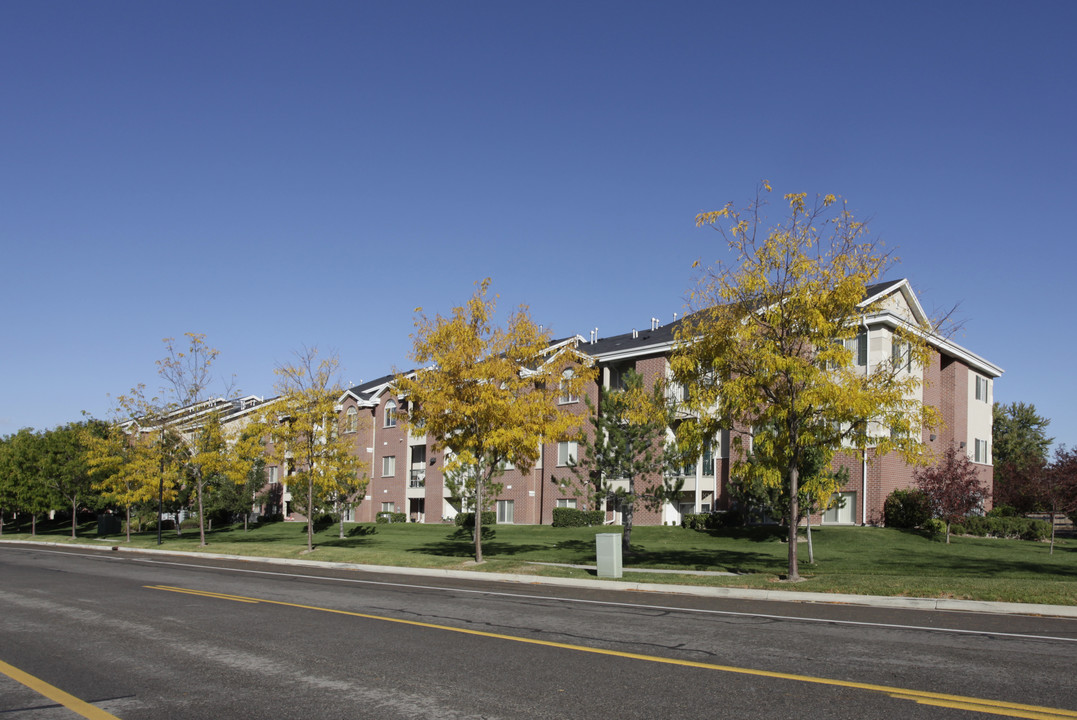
<point x="417" y="479"/>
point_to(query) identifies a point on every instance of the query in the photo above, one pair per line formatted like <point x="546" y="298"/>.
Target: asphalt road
<point x="156" y="637"/>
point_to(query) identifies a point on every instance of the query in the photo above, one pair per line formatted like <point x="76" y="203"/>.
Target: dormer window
<point x="351" y="420"/>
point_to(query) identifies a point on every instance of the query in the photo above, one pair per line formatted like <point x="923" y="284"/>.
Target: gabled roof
<point x="367" y="393"/>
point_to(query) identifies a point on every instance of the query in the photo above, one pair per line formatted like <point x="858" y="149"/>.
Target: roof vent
<point x="634" y="334"/>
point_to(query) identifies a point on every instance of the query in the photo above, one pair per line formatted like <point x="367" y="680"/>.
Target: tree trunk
<point x="33" y="524"/>
<point x="74" y="515"/>
<point x="626" y="536"/>
<point x="794" y="514"/>
<point x="310" y="514"/>
<point x="128" y="523"/>
<point x="811" y="551"/>
<point x="341" y="522"/>
<point x="1052" y="516"/>
<point x="478" y="520"/>
<point x="201" y="515"/>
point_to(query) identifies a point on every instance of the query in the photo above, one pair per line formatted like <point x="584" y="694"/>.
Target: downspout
<point x="542" y="480"/>
<point x="373" y="456"/>
<point x="864" y="452"/>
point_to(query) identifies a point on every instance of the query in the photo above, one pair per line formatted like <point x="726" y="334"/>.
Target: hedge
<point x="489" y="517"/>
<point x="571" y="517"/>
<point x="391" y="517"/>
<point x="706" y="521"/>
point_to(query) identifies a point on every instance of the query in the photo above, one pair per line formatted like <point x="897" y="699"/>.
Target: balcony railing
<point x="417" y="479"/>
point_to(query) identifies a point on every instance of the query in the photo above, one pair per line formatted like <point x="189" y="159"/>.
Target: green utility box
<point x="609" y="554"/>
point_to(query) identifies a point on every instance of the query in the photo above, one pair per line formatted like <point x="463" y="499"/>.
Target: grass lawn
<point x="873" y="561"/>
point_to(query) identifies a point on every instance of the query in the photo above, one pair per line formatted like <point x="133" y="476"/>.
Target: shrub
<point x="489" y="517"/>
<point x="906" y="509"/>
<point x="189" y="524"/>
<point x="390" y="517"/>
<point x="1002" y="511"/>
<point x="275" y="517"/>
<point x="571" y="517"/>
<point x="706" y="521"/>
<point x="934" y="529"/>
<point x="1036" y="530"/>
<point x="979" y="526"/>
<point x="957" y="529"/>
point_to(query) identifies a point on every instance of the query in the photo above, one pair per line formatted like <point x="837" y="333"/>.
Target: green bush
<point x="1002" y="511"/>
<point x="189" y="524"/>
<point x="906" y="509"/>
<point x="1036" y="530"/>
<point x="489" y="517"/>
<point x="571" y="517"/>
<point x="391" y="517"/>
<point x="957" y="529"/>
<point x="934" y="529"/>
<point x="979" y="526"/>
<point x="706" y="521"/>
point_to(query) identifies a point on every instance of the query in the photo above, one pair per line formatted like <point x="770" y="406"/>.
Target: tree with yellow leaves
<point x="488" y="394"/>
<point x="123" y="467"/>
<point x="218" y="454"/>
<point x="303" y="429"/>
<point x="766" y="346"/>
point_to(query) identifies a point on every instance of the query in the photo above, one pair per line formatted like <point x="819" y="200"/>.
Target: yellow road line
<point x="983" y="705"/>
<point x="68" y="700"/>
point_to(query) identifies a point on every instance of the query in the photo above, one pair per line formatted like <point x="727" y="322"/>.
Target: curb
<point x="880" y="601"/>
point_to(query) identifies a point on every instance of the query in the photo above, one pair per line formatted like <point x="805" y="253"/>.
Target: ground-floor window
<point x="843" y="509"/>
<point x="505" y="511"/>
<point x="388" y="507"/>
<point x="566" y="502"/>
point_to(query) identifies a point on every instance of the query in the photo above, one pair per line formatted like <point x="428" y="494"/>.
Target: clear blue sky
<point x="285" y="174"/>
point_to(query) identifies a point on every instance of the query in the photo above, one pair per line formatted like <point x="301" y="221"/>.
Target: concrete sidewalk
<point x="908" y="603"/>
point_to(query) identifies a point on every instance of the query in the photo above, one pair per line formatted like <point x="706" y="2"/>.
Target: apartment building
<point x="406" y="473"/>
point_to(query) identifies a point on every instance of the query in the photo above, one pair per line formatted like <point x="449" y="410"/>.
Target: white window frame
<point x="506" y="512"/>
<point x="566" y="503"/>
<point x="980" y="452"/>
<point x="390" y="414"/>
<point x="566" y="397"/>
<point x="982" y="388"/>
<point x="568" y="452"/>
<point x="388" y="466"/>
<point x="388" y="507"/>
<point x="351" y="420"/>
<point x="833" y="514"/>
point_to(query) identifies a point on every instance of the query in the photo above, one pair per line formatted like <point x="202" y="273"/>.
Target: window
<point x="272" y="474"/>
<point x="901" y="354"/>
<point x="980" y="455"/>
<point x="418" y="455"/>
<point x="390" y="414"/>
<point x="351" y="420"/>
<point x="708" y="460"/>
<point x="388" y="466"/>
<point x="843" y="509"/>
<point x="616" y="377"/>
<point x="566" y="393"/>
<point x="566" y="503"/>
<point x="981" y="388"/>
<point x="388" y="507"/>
<point x="859" y="348"/>
<point x="505" y="511"/>
<point x="567" y="452"/>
